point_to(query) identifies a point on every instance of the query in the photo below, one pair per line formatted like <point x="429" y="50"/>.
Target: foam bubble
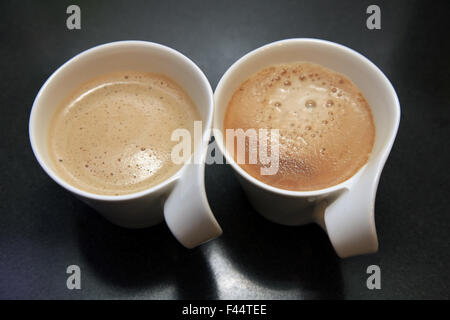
<point x="310" y="103"/>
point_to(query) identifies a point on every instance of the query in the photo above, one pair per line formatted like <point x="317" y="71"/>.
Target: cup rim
<point x="344" y="184"/>
<point x="73" y="60"/>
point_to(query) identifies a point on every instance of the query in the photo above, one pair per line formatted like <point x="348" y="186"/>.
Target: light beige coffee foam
<point x="112" y="136"/>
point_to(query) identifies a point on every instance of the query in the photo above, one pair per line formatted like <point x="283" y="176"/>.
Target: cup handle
<point x="186" y="210"/>
<point x="349" y="220"/>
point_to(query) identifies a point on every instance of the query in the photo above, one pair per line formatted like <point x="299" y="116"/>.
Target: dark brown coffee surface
<point x="326" y="126"/>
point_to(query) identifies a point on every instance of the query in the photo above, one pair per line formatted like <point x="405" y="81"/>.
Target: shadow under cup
<point x="301" y="207"/>
<point x="118" y="56"/>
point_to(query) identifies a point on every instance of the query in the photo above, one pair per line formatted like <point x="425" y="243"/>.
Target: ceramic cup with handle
<point x="345" y="211"/>
<point x="181" y="199"/>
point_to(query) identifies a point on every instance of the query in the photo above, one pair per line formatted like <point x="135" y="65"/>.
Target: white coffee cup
<point x="181" y="199"/>
<point x="345" y="211"/>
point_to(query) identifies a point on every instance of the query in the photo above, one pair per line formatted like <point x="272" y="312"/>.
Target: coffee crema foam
<point x="112" y="136"/>
<point x="325" y="124"/>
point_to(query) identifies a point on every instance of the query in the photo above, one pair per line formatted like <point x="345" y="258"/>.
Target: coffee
<point x="112" y="136"/>
<point x="326" y="128"/>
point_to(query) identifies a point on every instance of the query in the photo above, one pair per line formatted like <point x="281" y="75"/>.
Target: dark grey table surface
<point x="43" y="228"/>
